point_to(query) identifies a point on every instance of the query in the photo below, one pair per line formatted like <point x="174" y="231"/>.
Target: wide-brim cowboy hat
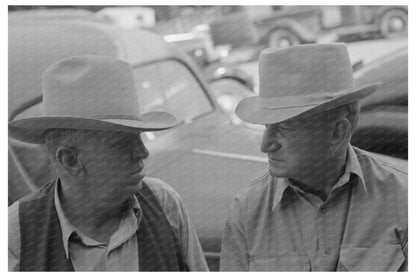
<point x="89" y="93"/>
<point x="301" y="81"/>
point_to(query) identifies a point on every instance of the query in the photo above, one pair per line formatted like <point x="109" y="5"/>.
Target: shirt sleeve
<point x="404" y="267"/>
<point x="194" y="254"/>
<point x="234" y="253"/>
<point x="14" y="237"/>
<point x="178" y="218"/>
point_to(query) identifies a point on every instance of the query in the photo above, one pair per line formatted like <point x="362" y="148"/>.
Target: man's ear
<point x="340" y="133"/>
<point x="67" y="157"/>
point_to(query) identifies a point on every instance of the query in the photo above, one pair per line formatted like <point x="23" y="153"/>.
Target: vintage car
<point x="207" y="158"/>
<point x="232" y="82"/>
<point x="383" y="125"/>
<point x="289" y="25"/>
<point x="293" y="25"/>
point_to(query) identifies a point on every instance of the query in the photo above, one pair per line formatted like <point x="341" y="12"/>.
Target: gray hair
<point x="350" y="111"/>
<point x="55" y="138"/>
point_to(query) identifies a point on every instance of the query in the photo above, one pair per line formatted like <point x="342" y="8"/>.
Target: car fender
<point x="216" y="72"/>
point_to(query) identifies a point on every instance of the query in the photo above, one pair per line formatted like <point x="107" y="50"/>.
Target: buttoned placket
<point x="323" y="252"/>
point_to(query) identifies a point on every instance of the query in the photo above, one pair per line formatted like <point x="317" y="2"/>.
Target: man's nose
<point x="140" y="151"/>
<point x="269" y="142"/>
<point x="144" y="153"/>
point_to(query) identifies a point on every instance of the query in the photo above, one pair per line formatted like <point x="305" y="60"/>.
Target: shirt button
<point x="328" y="250"/>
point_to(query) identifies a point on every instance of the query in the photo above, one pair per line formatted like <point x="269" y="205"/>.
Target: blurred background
<point x="225" y="41"/>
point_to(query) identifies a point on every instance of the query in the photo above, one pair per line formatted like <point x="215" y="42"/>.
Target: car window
<point x="169" y="86"/>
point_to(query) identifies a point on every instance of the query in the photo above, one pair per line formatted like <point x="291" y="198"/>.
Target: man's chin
<point x="136" y="178"/>
<point x="133" y="185"/>
<point x="277" y="172"/>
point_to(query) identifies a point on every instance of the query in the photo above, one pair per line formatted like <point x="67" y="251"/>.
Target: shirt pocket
<point x="281" y="262"/>
<point x="378" y="258"/>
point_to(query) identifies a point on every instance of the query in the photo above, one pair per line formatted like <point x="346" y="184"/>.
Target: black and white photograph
<point x="200" y="138"/>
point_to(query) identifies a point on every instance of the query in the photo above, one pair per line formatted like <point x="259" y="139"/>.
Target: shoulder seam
<point x="383" y="163"/>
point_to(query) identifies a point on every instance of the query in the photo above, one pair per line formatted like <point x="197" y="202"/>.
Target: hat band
<point x="299" y="100"/>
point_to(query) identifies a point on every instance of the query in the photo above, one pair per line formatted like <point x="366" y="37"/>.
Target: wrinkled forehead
<point x="110" y="136"/>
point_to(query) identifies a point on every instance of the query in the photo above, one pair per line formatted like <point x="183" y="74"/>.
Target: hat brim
<point x="250" y="109"/>
<point x="33" y="129"/>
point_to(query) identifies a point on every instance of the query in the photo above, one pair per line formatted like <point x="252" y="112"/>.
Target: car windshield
<point x="169" y="86"/>
<point x="162" y="86"/>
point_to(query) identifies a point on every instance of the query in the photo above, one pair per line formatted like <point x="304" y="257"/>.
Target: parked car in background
<point x="229" y="83"/>
<point x="383" y="125"/>
<point x="207" y="158"/>
<point x="284" y="26"/>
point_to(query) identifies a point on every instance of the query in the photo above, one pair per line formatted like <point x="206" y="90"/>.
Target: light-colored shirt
<point x="121" y="253"/>
<point x="275" y="226"/>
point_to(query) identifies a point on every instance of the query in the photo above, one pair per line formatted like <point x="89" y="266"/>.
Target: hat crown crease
<point x="85" y="87"/>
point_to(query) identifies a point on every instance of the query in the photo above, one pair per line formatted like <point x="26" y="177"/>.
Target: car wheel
<point x="393" y="23"/>
<point x="282" y="38"/>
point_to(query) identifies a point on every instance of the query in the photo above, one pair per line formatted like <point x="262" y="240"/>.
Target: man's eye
<point x="121" y="143"/>
<point x="289" y="131"/>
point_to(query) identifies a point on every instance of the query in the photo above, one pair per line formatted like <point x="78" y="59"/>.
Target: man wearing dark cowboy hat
<point x="323" y="205"/>
<point x="101" y="213"/>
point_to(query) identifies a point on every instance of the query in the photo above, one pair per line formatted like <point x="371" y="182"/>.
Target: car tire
<point x="394" y="23"/>
<point x="282" y="38"/>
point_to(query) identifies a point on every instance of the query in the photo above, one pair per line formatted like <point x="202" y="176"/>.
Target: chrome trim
<point x="212" y="254"/>
<point x="231" y="155"/>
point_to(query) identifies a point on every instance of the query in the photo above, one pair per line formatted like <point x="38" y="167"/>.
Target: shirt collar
<point x="68" y="229"/>
<point x="352" y="166"/>
<point x="281" y="185"/>
<point x="355" y="166"/>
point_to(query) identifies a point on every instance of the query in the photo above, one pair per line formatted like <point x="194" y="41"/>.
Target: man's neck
<point x="98" y="220"/>
<point x="324" y="179"/>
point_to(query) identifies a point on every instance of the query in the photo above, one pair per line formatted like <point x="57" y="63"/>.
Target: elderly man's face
<point x="296" y="148"/>
<point x="114" y="163"/>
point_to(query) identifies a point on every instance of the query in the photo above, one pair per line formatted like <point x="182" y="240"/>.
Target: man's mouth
<point x="139" y="169"/>
<point x="271" y="159"/>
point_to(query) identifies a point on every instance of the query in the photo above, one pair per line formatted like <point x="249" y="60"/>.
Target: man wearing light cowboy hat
<point x="101" y="213"/>
<point x="323" y="205"/>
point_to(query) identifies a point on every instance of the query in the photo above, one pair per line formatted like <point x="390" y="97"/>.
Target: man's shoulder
<point x="159" y="186"/>
<point x="163" y="192"/>
<point x="14" y="235"/>
<point x="383" y="173"/>
<point x="13" y="214"/>
<point x="381" y="165"/>
<point x="40" y="193"/>
<point x="389" y="163"/>
<point x="255" y="190"/>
